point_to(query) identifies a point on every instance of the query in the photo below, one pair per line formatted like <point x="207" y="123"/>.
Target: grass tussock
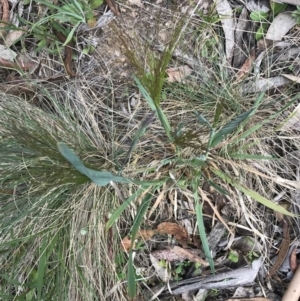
<point x="55" y="242"/>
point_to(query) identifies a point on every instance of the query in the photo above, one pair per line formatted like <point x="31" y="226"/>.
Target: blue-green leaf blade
<point x="230" y="127"/>
<point x="202" y="119"/>
<point x="136" y="225"/>
<point x="121" y="208"/>
<point x="101" y="178"/>
<point x="203" y="237"/>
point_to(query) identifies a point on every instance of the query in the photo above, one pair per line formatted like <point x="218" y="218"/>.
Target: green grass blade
<point x="250" y="156"/>
<point x="160" y="114"/>
<point x="148" y="120"/>
<point x="202" y="119"/>
<point x="42" y="267"/>
<point x="136" y="225"/>
<point x="201" y="228"/>
<point x="218" y="188"/>
<point x="258" y="126"/>
<point x="101" y="178"/>
<point x="131" y="277"/>
<point x="259" y="100"/>
<point x="145" y="94"/>
<point x="203" y="237"/>
<point x="71" y="34"/>
<point x="114" y="217"/>
<point x="45" y="251"/>
<point x="253" y="194"/>
<point x="164" y="121"/>
<point x="230" y="127"/>
<point x="218" y="113"/>
<point x="10" y="280"/>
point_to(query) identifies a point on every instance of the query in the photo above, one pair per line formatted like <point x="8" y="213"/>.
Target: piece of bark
<point x="284" y="248"/>
<point x="293" y="291"/>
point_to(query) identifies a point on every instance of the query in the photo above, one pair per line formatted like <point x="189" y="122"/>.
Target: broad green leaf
<point x="48" y="4"/>
<point x="121" y="208"/>
<point x="203" y="237"/>
<point x="250" y="156"/>
<point x="229" y="128"/>
<point x="277" y="8"/>
<point x="96" y="3"/>
<point x="70" y="9"/>
<point x="202" y="119"/>
<point x="101" y="178"/>
<point x="233" y="256"/>
<point x="259" y="16"/>
<point x="253" y="194"/>
<point x="136" y="225"/>
<point x="261" y="31"/>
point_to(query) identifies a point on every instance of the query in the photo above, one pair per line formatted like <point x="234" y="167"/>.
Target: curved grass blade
<point x="201" y="228"/>
<point x="250" y="156"/>
<point x="161" y="115"/>
<point x="217" y="187"/>
<point x="202" y="119"/>
<point x="101" y="178"/>
<point x="253" y="194"/>
<point x="45" y="251"/>
<point x="124" y="205"/>
<point x="258" y="126"/>
<point x="136" y="225"/>
<point x="218" y="113"/>
<point x="230" y="127"/>
<point x="203" y="237"/>
<point x="146" y="122"/>
<point x="145" y="93"/>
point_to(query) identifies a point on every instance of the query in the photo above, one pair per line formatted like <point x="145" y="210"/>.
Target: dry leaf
<point x="178" y="231"/>
<point x="293" y="261"/>
<point x="14" y="35"/>
<point x="177" y="253"/>
<point x="179" y="73"/>
<point x="226" y="14"/>
<point x="125" y="244"/>
<point x="145" y="234"/>
<point x="166" y="254"/>
<point x="189" y="254"/>
<point x="292" y="77"/>
<point x="7" y="54"/>
<point x="247" y="66"/>
<point x="161" y="272"/>
<point x="293" y="121"/>
<point x="280" y="26"/>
